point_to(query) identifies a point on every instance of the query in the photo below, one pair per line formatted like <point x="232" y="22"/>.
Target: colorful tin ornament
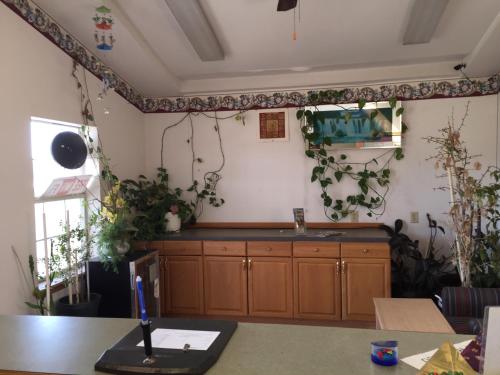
<point x="104" y="23"/>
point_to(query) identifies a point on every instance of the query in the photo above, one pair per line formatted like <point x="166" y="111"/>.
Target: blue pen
<point x="142" y="305"/>
<point x="145" y="324"/>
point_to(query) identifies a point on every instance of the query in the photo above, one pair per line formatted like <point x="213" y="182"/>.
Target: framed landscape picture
<point x="347" y="126"/>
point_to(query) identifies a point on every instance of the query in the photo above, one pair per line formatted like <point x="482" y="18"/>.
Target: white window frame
<point x="42" y="200"/>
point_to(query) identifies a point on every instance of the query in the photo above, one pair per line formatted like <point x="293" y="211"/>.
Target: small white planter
<point x="173" y="222"/>
<point x="123" y="247"/>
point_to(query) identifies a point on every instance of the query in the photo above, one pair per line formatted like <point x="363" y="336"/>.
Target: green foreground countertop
<point x="62" y="345"/>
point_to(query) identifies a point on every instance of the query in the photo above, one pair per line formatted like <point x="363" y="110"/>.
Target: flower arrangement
<point x="113" y="226"/>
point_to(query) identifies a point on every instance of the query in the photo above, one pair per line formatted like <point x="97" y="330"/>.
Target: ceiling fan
<point x="284" y="5"/>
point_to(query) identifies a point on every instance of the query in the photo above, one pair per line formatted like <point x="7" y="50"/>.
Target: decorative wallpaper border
<point x="43" y="23"/>
<point x="242" y="102"/>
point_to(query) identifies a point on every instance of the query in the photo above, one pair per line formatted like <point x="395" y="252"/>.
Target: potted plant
<point x="113" y="226"/>
<point x="152" y="202"/>
<point x="470" y="199"/>
<point x="69" y="253"/>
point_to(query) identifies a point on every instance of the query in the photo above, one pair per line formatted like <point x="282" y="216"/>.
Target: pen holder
<point x="146" y="336"/>
<point x="385" y="353"/>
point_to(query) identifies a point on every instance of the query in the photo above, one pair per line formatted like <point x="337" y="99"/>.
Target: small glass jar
<point x="385" y="353"/>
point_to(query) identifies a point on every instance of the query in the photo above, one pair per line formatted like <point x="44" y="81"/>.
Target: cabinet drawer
<point x="316" y="249"/>
<point x="147" y="245"/>
<point x="365" y="250"/>
<point x="269" y="248"/>
<point x="181" y="248"/>
<point x="229" y="248"/>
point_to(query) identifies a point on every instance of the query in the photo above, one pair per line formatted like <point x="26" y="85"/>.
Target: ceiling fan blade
<point x="284" y="5"/>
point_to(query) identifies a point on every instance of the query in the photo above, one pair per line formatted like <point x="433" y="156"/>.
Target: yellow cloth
<point x="445" y="359"/>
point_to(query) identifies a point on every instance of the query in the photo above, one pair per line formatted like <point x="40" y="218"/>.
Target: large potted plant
<point x="472" y="197"/>
<point x="69" y="254"/>
<point x="150" y="202"/>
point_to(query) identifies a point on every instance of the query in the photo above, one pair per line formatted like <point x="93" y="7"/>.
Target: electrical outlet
<point x="414" y="217"/>
<point x="354" y="216"/>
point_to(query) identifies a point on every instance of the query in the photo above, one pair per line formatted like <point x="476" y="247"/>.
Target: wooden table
<point x="409" y="314"/>
<point x="63" y="345"/>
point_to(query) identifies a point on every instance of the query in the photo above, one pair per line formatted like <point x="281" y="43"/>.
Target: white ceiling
<point x="153" y="54"/>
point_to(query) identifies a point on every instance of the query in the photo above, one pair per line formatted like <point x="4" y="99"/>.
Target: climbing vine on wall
<point x="372" y="177"/>
<point x="207" y="187"/>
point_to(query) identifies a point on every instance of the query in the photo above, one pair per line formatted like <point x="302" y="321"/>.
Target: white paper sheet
<point x="178" y="338"/>
<point x="491" y="357"/>
<point x="419" y="360"/>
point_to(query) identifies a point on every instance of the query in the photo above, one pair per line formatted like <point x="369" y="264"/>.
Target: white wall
<point x="35" y="81"/>
<point x="264" y="181"/>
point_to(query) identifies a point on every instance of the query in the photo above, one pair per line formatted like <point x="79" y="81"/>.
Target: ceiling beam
<point x="194" y="22"/>
<point x="122" y="16"/>
<point x="423" y="20"/>
<point x="484" y="60"/>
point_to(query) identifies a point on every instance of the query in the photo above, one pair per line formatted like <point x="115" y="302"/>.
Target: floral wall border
<point x="283" y="99"/>
<point x="43" y="23"/>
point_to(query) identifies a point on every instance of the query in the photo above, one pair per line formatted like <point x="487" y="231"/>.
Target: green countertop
<point x="72" y="345"/>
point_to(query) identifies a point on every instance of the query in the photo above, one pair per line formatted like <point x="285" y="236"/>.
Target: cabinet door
<point x="363" y="280"/>
<point x="317" y="292"/>
<point x="225" y="285"/>
<point x="270" y="290"/>
<point x="183" y="284"/>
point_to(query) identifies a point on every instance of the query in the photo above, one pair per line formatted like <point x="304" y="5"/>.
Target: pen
<point x="142" y="306"/>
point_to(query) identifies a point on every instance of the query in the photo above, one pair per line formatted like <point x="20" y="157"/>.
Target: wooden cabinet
<point x="181" y="248"/>
<point x="317" y="291"/>
<point x="362" y="280"/>
<point x="225" y="285"/>
<point x="317" y="280"/>
<point x="181" y="277"/>
<point x="270" y="290"/>
<point x="182" y="281"/>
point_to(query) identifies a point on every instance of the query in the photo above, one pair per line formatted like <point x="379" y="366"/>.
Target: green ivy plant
<point x="372" y="177"/>
<point x="150" y="200"/>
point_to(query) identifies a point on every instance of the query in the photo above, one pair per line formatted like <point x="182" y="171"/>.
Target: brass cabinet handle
<point x="244" y="261"/>
<point x="316" y="249"/>
<point x="269" y="248"/>
<point x="249" y="264"/>
<point x="338" y="268"/>
<point x="365" y="251"/>
<point x="343" y="266"/>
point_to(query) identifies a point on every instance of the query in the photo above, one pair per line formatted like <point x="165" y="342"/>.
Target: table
<point x="410" y="314"/>
<point x="66" y="345"/>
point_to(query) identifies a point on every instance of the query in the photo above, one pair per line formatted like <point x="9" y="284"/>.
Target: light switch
<point x="414" y="217"/>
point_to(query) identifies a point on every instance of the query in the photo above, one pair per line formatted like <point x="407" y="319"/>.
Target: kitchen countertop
<point x="63" y="345"/>
<point x="338" y="235"/>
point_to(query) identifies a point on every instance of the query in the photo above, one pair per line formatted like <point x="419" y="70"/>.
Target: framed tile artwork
<point x="273" y="126"/>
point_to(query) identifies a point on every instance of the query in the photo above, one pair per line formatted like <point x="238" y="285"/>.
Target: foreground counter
<point x="60" y="345"/>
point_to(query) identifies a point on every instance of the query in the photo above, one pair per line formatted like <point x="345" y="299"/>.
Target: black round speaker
<point x="69" y="150"/>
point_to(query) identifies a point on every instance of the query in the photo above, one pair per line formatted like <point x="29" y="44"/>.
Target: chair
<point x="464" y="307"/>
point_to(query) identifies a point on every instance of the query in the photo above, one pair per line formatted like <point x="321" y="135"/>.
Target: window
<point x="45" y="171"/>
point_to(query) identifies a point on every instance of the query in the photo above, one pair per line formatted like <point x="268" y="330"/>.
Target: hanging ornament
<point x="104" y="23"/>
